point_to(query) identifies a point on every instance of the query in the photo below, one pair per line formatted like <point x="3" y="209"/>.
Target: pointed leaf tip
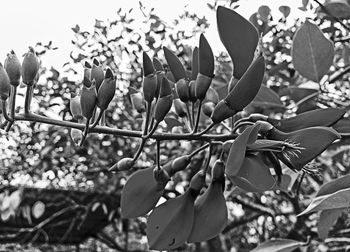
<point x="206" y="57"/>
<point x="176" y="67"/>
<point x="157" y="64"/>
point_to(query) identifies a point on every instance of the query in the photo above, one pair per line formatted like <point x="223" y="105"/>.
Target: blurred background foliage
<point x="44" y="156"/>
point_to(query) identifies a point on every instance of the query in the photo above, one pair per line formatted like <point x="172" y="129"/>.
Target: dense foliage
<point x="237" y="163"/>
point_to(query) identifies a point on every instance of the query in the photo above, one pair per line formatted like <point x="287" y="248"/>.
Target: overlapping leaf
<point x="278" y="245"/>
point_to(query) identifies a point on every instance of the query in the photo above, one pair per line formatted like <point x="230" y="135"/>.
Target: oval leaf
<point x="343" y="126"/>
<point x="239" y="37"/>
<point x="336" y="200"/>
<point x="206" y="57"/>
<point x="334" y="185"/>
<point x="278" y="245"/>
<point x="326" y="221"/>
<point x="170" y="224"/>
<point x="312" y="52"/>
<point x="210" y="214"/>
<point x="140" y="194"/>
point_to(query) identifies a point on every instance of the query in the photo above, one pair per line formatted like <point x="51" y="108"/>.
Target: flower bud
<point x="161" y="177"/>
<point x="76" y="136"/>
<point x="222" y="112"/>
<point x="149" y="87"/>
<point x="208" y="108"/>
<point x="160" y="76"/>
<point x="30" y="67"/>
<point x="192" y="87"/>
<point x="164" y="102"/>
<point x="87" y="74"/>
<point x="158" y="65"/>
<point x="182" y="90"/>
<point x="218" y="171"/>
<point x="97" y="74"/>
<point x="13" y="68"/>
<point x="137" y="102"/>
<point x="125" y="164"/>
<point x="180" y="108"/>
<point x="180" y="164"/>
<point x="148" y="67"/>
<point x="106" y="91"/>
<point x="197" y="181"/>
<point x="176" y="67"/>
<point x="88" y="100"/>
<point x="4" y="84"/>
<point x="75" y="107"/>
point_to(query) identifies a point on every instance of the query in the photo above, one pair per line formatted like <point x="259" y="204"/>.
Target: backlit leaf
<point x="312" y="52"/>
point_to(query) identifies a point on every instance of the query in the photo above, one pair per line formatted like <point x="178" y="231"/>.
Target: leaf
<point x="254" y="175"/>
<point x="336" y="200"/>
<point x="326" y="221"/>
<point x="343" y="126"/>
<point x="278" y="245"/>
<point x="172" y="122"/>
<point x="239" y="37"/>
<point x="267" y="98"/>
<point x="338" y="8"/>
<point x="238" y="149"/>
<point x="313" y="140"/>
<point x="169" y="225"/>
<point x="312" y="52"/>
<point x="285" y="10"/>
<point x="317" y="117"/>
<point x="210" y="214"/>
<point x="334" y="185"/>
<point x="38" y="209"/>
<point x="147" y="64"/>
<point x="176" y="67"/>
<point x="140" y="194"/>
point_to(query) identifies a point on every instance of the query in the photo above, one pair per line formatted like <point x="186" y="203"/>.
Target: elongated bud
<point x="192" y="87"/>
<point x="87" y="74"/>
<point x="160" y="76"/>
<point x="180" y="108"/>
<point x="194" y="63"/>
<point x="148" y="67"/>
<point x="76" y="136"/>
<point x="176" y="67"/>
<point x="179" y="164"/>
<point x="97" y="74"/>
<point x="158" y="65"/>
<point x="197" y="181"/>
<point x="30" y="67"/>
<point x="137" y="102"/>
<point x="202" y="85"/>
<point x="13" y="68"/>
<point x="161" y="177"/>
<point x="164" y="102"/>
<point x="75" y="107"/>
<point x="218" y="171"/>
<point x="183" y="90"/>
<point x="125" y="164"/>
<point x="4" y="84"/>
<point x="208" y="108"/>
<point x="149" y="87"/>
<point x="88" y="100"/>
<point x="221" y="112"/>
<point x="106" y="91"/>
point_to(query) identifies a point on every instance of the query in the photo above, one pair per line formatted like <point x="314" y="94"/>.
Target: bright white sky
<point x="24" y="23"/>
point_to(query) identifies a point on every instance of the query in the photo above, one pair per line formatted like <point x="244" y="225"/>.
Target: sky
<point x="24" y="23"/>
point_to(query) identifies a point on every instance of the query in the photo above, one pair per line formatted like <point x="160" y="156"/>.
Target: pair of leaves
<point x="332" y="199"/>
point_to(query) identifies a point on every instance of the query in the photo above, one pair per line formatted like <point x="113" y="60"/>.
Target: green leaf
<point x="267" y="98"/>
<point x="334" y="185"/>
<point x="176" y="67"/>
<point x="312" y="52"/>
<point x="278" y="245"/>
<point x="336" y="200"/>
<point x="148" y="67"/>
<point x="338" y="8"/>
<point x="210" y="214"/>
<point x="169" y="225"/>
<point x="140" y="194"/>
<point x="206" y="57"/>
<point x="239" y="37"/>
<point x="343" y="126"/>
<point x="317" y="117"/>
<point x="326" y="221"/>
<point x="238" y="149"/>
